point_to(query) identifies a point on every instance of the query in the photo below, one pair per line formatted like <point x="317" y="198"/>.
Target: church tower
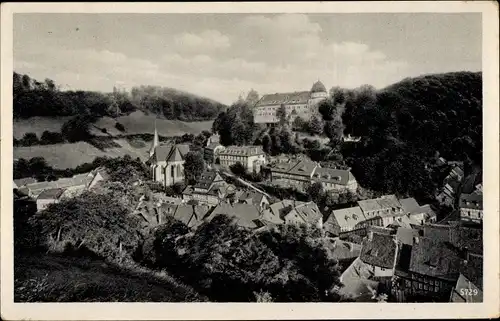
<point x="156" y="142"/>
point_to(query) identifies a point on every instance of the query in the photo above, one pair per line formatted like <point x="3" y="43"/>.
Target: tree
<point x="120" y="127"/>
<point x="315" y="125"/>
<point x="266" y="144"/>
<point x="281" y="115"/>
<point x="30" y="139"/>
<point x="315" y="191"/>
<point x="194" y="165"/>
<point x="299" y="124"/>
<point x="77" y="129"/>
<point x="48" y="138"/>
<point x="97" y="221"/>
<point x="252" y="97"/>
<point x="238" y="169"/>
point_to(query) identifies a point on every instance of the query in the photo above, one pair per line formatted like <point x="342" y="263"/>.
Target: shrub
<point x="120" y="127"/>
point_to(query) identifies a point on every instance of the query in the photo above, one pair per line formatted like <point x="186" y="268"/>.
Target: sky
<point x="221" y="56"/>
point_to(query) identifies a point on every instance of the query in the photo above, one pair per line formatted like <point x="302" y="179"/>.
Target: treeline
<point x="403" y="129"/>
<point x="122" y="169"/>
<point x="44" y="98"/>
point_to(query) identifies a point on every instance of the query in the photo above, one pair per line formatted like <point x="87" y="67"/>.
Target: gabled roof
<point x="249" y="197"/>
<point x="298" y="97"/>
<point x="189" y="214"/>
<point x="242" y="151"/>
<point x="206" y="179"/>
<point x="346" y="217"/>
<point x="246" y="215"/>
<point x="278" y="207"/>
<point x="171" y="152"/>
<point x="49" y="194"/>
<point x="268" y="216"/>
<point x="379" y="251"/>
<point x="332" y="175"/>
<point x="309" y="212"/>
<point x="377" y="204"/>
<point x="303" y="168"/>
<point x="471" y="201"/>
<point x="409" y="205"/>
<point x="435" y="258"/>
<point x="66" y="182"/>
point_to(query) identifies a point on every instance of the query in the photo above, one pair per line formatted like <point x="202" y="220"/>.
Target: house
<point x="306" y="213"/>
<point x="471" y="207"/>
<point x="294" y="173"/>
<point x="245" y="215"/>
<point x="448" y="192"/>
<point x="251" y="157"/>
<point x="343" y="220"/>
<point x="381" y="211"/>
<point x="335" y="179"/>
<point x="250" y="197"/>
<point x="379" y="253"/>
<point x="73" y="186"/>
<point x="417" y="213"/>
<point x="209" y="189"/>
<point x="210" y="151"/>
<point x="428" y="273"/>
<point x="297" y="104"/>
<point x="47" y="197"/>
<point x="466" y="292"/>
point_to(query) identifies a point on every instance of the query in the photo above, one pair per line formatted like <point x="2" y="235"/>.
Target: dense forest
<point x="402" y="127"/>
<point x="44" y="98"/>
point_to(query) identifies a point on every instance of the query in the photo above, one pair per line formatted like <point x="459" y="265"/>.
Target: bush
<point x="120" y="127"/>
<point x="49" y="138"/>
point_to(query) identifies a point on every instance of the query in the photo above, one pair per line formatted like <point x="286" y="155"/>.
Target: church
<point x="166" y="161"/>
<point x="302" y="103"/>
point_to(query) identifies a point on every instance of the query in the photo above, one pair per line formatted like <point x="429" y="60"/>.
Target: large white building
<point x="251" y="157"/>
<point x="302" y="103"/>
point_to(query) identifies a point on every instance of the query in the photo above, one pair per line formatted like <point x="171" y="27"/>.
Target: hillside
<point x="405" y="125"/>
<point x="53" y="278"/>
<point x="32" y="98"/>
<point x="135" y="123"/>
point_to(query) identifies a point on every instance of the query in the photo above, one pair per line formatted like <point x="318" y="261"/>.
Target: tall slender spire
<point x="156" y="142"/>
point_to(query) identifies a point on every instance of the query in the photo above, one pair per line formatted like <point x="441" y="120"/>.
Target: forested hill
<point x="405" y="125"/>
<point x="44" y="98"/>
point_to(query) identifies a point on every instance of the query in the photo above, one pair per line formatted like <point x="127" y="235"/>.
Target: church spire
<point x="155" y="143"/>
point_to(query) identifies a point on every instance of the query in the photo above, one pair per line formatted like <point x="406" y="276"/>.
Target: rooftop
<point x="471" y="201"/>
<point x="346" y="217"/>
<point x="379" y="251"/>
<point x="242" y="151"/>
<point x="435" y="258"/>
<point x="53" y="193"/>
<point x="171" y="152"/>
<point x="382" y="203"/>
<point x="331" y="175"/>
<point x="309" y="212"/>
<point x="464" y="283"/>
<point x="409" y="205"/>
<point x="298" y="97"/>
<point x="246" y="215"/>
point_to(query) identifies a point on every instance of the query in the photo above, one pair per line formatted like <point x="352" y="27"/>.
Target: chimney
<point x="370" y="235"/>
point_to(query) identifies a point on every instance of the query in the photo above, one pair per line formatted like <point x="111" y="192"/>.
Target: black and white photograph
<point x="311" y="156"/>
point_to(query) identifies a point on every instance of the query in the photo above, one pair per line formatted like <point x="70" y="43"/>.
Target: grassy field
<point x="37" y="125"/>
<point x="68" y="155"/>
<point x="140" y="123"/>
<point x="52" y="278"/>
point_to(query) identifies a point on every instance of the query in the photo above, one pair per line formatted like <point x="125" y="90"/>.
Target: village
<point x="392" y="246"/>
